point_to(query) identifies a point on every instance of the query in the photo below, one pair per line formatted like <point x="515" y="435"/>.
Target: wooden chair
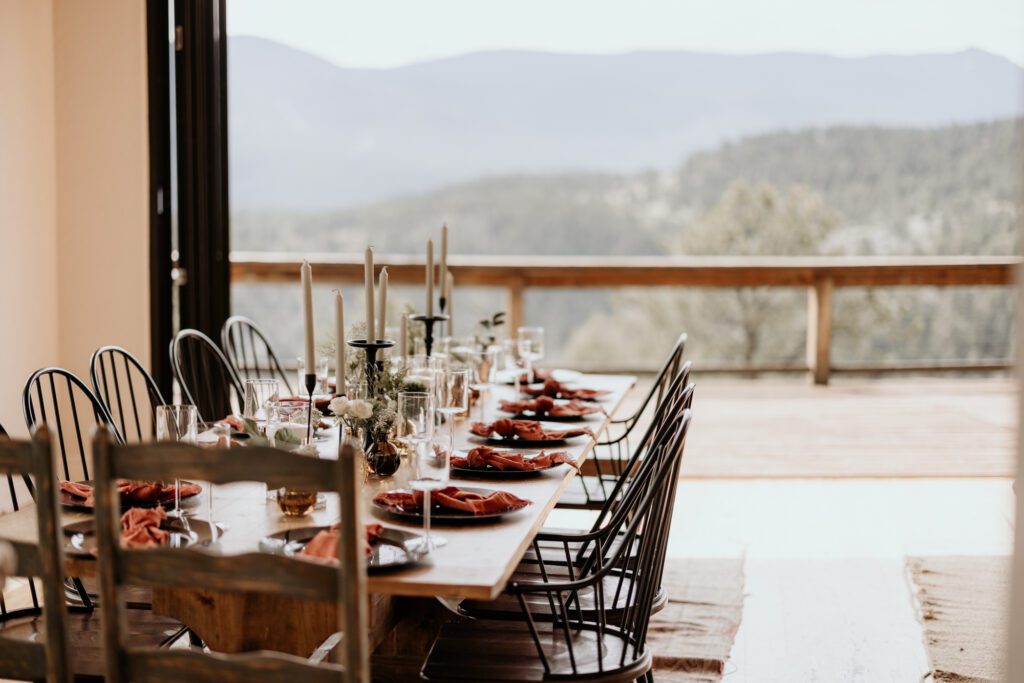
<point x="572" y="645"/>
<point x="250" y="353"/>
<point x="205" y="376"/>
<point x="259" y="572"/>
<point x="593" y="492"/>
<point x="33" y="658"/>
<point x="127" y="391"/>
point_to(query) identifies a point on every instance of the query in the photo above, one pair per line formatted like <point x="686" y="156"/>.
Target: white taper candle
<point x="307" y="316"/>
<point x="403" y="337"/>
<point x="430" y="278"/>
<point x="371" y="327"/>
<point x="339" y="351"/>
<point x="382" y="295"/>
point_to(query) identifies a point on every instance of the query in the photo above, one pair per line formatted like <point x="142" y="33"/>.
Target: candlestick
<point x="339" y="351"/>
<point x="430" y="277"/>
<point x="307" y="314"/>
<point x="383" y="296"/>
<point x="371" y="328"/>
<point x="403" y="337"/>
<point x="445" y="293"/>
<point x="428" y="328"/>
<point x="449" y="285"/>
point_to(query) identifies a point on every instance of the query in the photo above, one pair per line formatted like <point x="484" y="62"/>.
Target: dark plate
<point x="390" y="551"/>
<point x="82" y="535"/>
<point x="70" y="502"/>
<point x="446" y="515"/>
<point x="550" y="418"/>
<point x="517" y="443"/>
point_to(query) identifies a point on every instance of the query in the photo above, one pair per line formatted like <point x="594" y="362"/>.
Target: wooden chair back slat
<point x="195" y="667"/>
<point x="196" y="568"/>
<point x="166" y="461"/>
<point x="34" y="660"/>
<point x="252" y="572"/>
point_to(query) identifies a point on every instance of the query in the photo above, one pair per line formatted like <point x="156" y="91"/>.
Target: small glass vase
<point x="383" y="456"/>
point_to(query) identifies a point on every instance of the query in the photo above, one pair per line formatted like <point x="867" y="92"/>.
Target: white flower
<point x="338" y="405"/>
<point x="359" y="409"/>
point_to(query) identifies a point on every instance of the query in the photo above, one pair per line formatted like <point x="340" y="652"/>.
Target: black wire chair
<point x="569" y="554"/>
<point x="572" y="644"/>
<point x="250" y="353"/>
<point x="205" y="376"/>
<point x="127" y="391"/>
<point x="592" y="492"/>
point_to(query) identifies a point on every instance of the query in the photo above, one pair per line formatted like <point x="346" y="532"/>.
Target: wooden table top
<point x="479" y="557"/>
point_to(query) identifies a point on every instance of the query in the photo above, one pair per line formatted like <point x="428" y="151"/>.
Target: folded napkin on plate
<point x="556" y="389"/>
<point x="453" y="498"/>
<point x="132" y="492"/>
<point x="527" y="430"/>
<point x="482" y="457"/>
<point x="140" y="528"/>
<point x="538" y="376"/>
<point x="324" y="546"/>
<point x="545" y="405"/>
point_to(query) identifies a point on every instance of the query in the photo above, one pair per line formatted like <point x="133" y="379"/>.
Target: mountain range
<point x="308" y="135"/>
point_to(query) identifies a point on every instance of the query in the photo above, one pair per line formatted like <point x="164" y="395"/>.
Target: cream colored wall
<point x="28" y="209"/>
<point x="102" y="177"/>
<point x="74" y="236"/>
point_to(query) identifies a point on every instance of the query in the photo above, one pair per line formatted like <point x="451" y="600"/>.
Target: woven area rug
<point x="692" y="636"/>
<point x="962" y="604"/>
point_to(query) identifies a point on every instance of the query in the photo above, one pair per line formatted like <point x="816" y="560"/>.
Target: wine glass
<point x="322" y="384"/>
<point x="451" y="390"/>
<point x="259" y="395"/>
<point x="531" y="346"/>
<point x="177" y="423"/>
<point x="416" y="428"/>
<point x="515" y="363"/>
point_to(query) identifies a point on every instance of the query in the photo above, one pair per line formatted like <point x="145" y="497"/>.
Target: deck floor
<point x="820" y="490"/>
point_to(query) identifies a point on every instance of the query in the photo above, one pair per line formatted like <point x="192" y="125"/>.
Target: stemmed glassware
<point x="416" y="428"/>
<point x="531" y="347"/>
<point x="451" y="389"/>
<point x="177" y="423"/>
<point x="260" y="395"/>
<point x="515" y="363"/>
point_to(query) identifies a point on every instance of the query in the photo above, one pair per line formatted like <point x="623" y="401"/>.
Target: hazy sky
<point x="382" y="33"/>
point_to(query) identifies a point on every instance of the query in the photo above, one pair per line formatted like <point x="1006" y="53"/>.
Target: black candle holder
<point x="428" y="324"/>
<point x="310" y="387"/>
<point x="372" y="366"/>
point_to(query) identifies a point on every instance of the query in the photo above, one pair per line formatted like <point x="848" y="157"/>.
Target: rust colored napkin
<point x="324" y="546"/>
<point x="453" y="498"/>
<point x="482" y="457"/>
<point x="556" y="389"/>
<point x="140" y="528"/>
<point x="528" y="430"/>
<point x="132" y="492"/>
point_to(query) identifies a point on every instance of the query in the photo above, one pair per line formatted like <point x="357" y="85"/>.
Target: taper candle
<point x="449" y="286"/>
<point x="339" y="337"/>
<point x="445" y="293"/>
<point x="371" y="327"/>
<point x="430" y="278"/>
<point x="403" y="337"/>
<point x="382" y="295"/>
<point x="307" y="316"/>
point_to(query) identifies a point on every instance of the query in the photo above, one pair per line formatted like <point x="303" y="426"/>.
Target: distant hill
<point x="898" y="191"/>
<point x="307" y="135"/>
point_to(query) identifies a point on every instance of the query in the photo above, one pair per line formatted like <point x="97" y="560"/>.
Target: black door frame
<point x="201" y="272"/>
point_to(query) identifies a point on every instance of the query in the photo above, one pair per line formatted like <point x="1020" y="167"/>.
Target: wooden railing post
<point x="514" y="316"/>
<point x="819" y="329"/>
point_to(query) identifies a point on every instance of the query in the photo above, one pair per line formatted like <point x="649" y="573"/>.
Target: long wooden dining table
<point x="476" y="562"/>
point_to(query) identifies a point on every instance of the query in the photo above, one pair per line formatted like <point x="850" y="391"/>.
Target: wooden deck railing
<point x="820" y="276"/>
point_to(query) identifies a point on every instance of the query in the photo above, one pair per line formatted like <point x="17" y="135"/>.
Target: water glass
<point x="259" y="395"/>
<point x="451" y="392"/>
<point x="177" y="423"/>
